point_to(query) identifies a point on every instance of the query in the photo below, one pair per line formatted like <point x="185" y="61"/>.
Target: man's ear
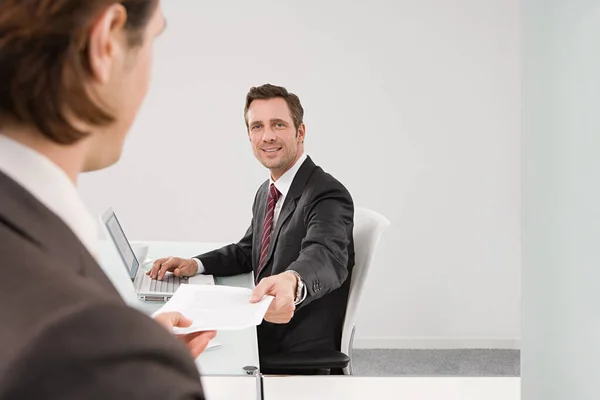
<point x="106" y="36"/>
<point x="301" y="133"/>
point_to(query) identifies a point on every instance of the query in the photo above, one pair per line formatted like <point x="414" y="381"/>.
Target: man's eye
<point x="280" y="125"/>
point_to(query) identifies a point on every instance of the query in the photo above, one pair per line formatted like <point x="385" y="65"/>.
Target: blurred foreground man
<point x="72" y="77"/>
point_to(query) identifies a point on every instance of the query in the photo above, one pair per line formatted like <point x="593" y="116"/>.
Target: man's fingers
<point x="198" y="341"/>
<point x="264" y="287"/>
<point x="183" y="322"/>
<point x="167" y="266"/>
<point x="171" y="319"/>
<point x="282" y="302"/>
<point x="207" y="334"/>
<point x="179" y="267"/>
<point x="279" y="317"/>
<point x="282" y="309"/>
<point x="155" y="266"/>
<point x="198" y="345"/>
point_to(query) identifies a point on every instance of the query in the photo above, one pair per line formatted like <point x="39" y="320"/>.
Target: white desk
<point x="239" y="348"/>
<point x="230" y="387"/>
<point x="404" y="388"/>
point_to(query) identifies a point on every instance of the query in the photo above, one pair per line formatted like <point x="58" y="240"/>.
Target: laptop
<point x="147" y="289"/>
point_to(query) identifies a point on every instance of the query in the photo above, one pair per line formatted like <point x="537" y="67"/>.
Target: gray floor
<point x="390" y="362"/>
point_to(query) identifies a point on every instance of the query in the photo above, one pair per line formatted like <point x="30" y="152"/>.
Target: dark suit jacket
<point x="313" y="236"/>
<point x="65" y="333"/>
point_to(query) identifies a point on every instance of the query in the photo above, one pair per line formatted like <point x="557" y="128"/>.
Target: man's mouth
<point x="271" y="149"/>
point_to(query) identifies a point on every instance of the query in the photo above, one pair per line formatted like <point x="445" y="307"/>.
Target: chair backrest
<point x="368" y="227"/>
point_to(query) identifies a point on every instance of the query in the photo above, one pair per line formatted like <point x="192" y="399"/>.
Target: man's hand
<point x="196" y="342"/>
<point x="179" y="267"/>
<point x="283" y="286"/>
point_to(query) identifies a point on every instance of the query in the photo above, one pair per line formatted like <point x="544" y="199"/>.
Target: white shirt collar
<point x="284" y="182"/>
<point x="51" y="186"/>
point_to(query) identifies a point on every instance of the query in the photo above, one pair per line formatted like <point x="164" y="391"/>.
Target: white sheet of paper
<point x="216" y="307"/>
<point x="200" y="279"/>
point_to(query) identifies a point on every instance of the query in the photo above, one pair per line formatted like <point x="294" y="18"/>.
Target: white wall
<point x="561" y="171"/>
<point x="413" y="105"/>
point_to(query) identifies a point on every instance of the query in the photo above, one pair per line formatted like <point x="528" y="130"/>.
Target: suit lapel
<point x="289" y="206"/>
<point x="24" y="214"/>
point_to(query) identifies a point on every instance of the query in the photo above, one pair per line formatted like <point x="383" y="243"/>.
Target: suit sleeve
<point x="233" y="259"/>
<point x="323" y="259"/>
<point x="105" y="352"/>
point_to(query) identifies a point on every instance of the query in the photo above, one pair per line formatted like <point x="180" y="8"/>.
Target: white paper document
<point x="201" y="279"/>
<point x="216" y="308"/>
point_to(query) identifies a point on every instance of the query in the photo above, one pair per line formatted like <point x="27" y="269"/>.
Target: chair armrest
<point x="327" y="359"/>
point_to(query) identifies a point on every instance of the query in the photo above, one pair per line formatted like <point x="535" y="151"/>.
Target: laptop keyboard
<point x="169" y="283"/>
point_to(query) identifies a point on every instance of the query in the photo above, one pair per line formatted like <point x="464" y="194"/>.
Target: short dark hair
<point x="44" y="64"/>
<point x="268" y="91"/>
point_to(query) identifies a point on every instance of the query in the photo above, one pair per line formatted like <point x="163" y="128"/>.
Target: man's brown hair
<point x="268" y="91"/>
<point x="44" y="62"/>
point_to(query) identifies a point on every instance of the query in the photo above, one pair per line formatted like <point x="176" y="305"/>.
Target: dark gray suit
<point x="313" y="236"/>
<point x="64" y="330"/>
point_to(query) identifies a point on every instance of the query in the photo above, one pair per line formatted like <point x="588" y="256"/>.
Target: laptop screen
<point x="120" y="240"/>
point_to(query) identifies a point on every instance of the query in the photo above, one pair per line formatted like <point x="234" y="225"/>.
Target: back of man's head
<point x="45" y="68"/>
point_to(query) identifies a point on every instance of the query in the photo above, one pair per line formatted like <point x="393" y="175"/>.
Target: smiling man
<point x="299" y="244"/>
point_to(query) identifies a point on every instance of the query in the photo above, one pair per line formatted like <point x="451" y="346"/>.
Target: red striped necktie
<point x="267" y="226"/>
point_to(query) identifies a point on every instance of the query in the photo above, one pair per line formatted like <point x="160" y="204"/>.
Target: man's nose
<point x="269" y="135"/>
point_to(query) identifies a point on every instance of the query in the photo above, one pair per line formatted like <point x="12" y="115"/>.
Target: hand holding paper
<point x="282" y="287"/>
<point x="215" y="308"/>
<point x="196" y="342"/>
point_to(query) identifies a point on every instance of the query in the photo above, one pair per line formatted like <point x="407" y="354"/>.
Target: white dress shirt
<point x="282" y="184"/>
<point x="51" y="186"/>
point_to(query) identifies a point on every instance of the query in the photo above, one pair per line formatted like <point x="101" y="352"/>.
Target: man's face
<point x="275" y="141"/>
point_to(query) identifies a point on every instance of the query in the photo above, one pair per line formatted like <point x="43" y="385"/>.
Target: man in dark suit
<point x="73" y="75"/>
<point x="299" y="244"/>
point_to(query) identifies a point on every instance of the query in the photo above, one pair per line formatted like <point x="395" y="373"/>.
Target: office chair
<point x="368" y="227"/>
